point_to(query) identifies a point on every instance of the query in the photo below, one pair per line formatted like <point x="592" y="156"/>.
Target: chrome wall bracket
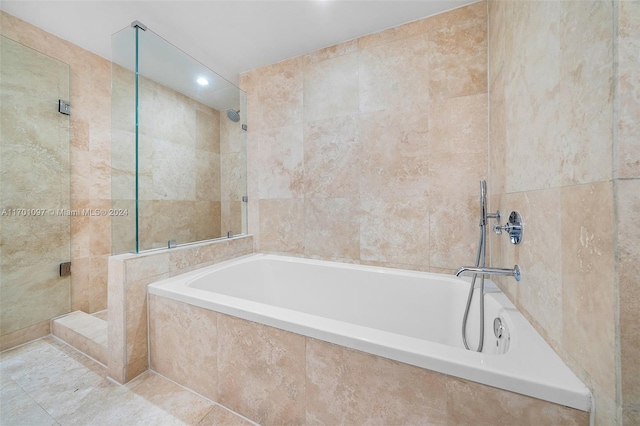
<point x="514" y="227"/>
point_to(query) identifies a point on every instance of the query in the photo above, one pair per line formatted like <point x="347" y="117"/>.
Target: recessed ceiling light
<point x="202" y="81"/>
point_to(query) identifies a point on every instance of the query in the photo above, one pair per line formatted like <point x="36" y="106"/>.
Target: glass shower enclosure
<point x="178" y="147"/>
<point x="34" y="190"/>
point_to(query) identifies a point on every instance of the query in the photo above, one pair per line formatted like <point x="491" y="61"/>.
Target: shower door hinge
<point x="65" y="269"/>
<point x="64" y="107"/>
<point x="245" y="199"/>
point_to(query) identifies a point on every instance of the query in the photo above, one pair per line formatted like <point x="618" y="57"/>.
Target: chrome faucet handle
<point x="514" y="227"/>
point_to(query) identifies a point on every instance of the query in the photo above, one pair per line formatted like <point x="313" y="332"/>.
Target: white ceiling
<point x="227" y="36"/>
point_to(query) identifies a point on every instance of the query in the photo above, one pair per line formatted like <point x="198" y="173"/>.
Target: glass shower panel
<point x="123" y="141"/>
<point x="178" y="159"/>
<point x="34" y="187"/>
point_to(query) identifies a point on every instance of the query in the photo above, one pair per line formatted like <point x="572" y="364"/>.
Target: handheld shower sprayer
<point x="483" y="202"/>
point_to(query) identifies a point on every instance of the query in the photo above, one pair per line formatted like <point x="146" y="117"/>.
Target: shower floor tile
<point x="47" y="382"/>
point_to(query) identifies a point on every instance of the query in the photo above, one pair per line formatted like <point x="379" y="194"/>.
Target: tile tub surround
<point x="352" y="147"/>
<point x="274" y="376"/>
<point x="129" y="275"/>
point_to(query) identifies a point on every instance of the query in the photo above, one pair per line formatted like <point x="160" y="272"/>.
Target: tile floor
<point x="46" y="382"/>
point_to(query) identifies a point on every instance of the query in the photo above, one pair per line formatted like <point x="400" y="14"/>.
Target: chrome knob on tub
<point x="514" y="227"/>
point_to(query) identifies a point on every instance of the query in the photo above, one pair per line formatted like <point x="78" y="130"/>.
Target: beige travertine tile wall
<point x="564" y="144"/>
<point x="627" y="196"/>
<point x="129" y="275"/>
<point x="90" y="165"/>
<point x="273" y="376"/>
<point x="360" y="152"/>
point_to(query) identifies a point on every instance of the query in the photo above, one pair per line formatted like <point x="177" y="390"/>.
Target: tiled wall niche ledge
<point x="129" y="275"/>
<point x="273" y="376"/>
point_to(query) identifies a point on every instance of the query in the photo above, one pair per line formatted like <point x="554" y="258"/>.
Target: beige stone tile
<point x="31" y="295"/>
<point x="16" y="407"/>
<point x="141" y="267"/>
<point x="393" y="34"/>
<point x="208" y="220"/>
<point x="136" y="320"/>
<point x="233" y="176"/>
<point x="27" y="334"/>
<point x="166" y="114"/>
<point x="467" y="14"/>
<point x="183" y="344"/>
<point x="473" y="403"/>
<point x="395" y="75"/>
<point x="232" y="137"/>
<point x="81" y="289"/>
<point x="232" y="217"/>
<point x="157" y="401"/>
<point x="587" y="263"/>
<point x="331" y="52"/>
<point x="458" y="56"/>
<point x="81" y="228"/>
<point x="99" y="285"/>
<point x="100" y="227"/>
<point x="457" y="145"/>
<point x="630" y="417"/>
<point x="282" y="226"/>
<point x="207" y="176"/>
<point x="261" y="371"/>
<point x="123" y="228"/>
<point x="628" y="234"/>
<point x="539" y="255"/>
<point x="274" y="95"/>
<point x="23" y="359"/>
<point x="332" y="157"/>
<point x="173" y="168"/>
<point x="453" y="243"/>
<point x="60" y="384"/>
<point x="332" y="228"/>
<point x="585" y="117"/>
<point x="221" y="416"/>
<point x="395" y="230"/>
<point x="135" y="368"/>
<point x="628" y="93"/>
<point x="280" y="162"/>
<point x="497" y="141"/>
<point x="83" y="332"/>
<point x="607" y="411"/>
<point x="116" y="328"/>
<point x="395" y="156"/>
<point x="103" y="315"/>
<point x="207" y="129"/>
<point x="344" y="386"/>
<point x="532" y="97"/>
<point x="331" y="88"/>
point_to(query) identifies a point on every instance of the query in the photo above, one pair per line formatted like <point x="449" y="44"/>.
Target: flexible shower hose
<point x="480" y="262"/>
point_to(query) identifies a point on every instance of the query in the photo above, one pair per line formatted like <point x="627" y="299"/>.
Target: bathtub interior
<point x="418" y="305"/>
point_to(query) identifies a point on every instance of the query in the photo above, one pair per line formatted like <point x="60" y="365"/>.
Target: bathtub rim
<point x="553" y="382"/>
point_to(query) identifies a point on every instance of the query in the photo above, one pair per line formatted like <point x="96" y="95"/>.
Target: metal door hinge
<point x="65" y="269"/>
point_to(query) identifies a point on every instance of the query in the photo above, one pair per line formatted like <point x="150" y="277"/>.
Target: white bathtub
<point x="411" y="317"/>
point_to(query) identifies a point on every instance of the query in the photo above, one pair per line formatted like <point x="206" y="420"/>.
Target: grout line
<point x="203" y="397"/>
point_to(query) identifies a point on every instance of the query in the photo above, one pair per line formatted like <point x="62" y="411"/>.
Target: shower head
<point x="233" y="115"/>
